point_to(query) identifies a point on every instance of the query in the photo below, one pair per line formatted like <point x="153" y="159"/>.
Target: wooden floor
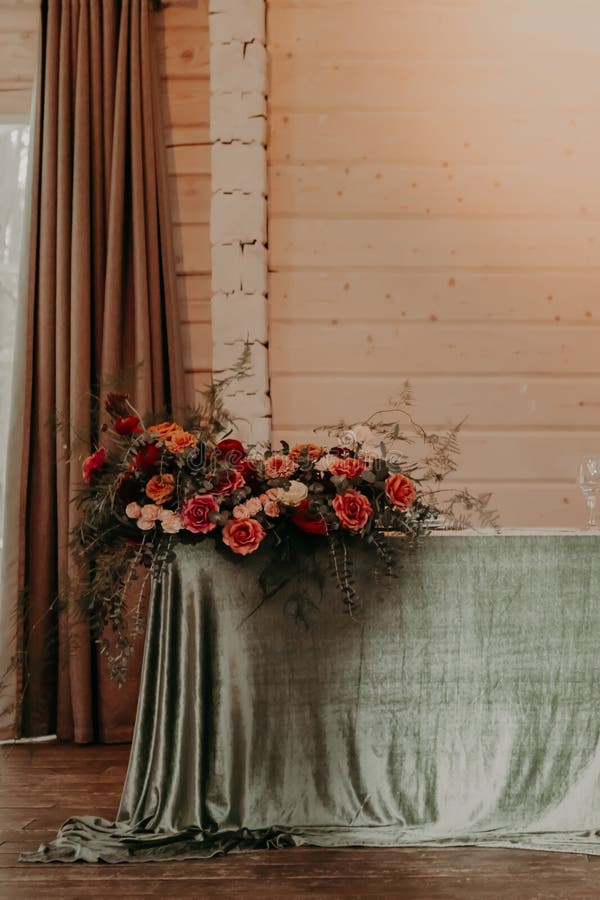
<point x="40" y="785"/>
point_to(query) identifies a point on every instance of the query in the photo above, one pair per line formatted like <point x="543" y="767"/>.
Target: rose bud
<point x="125" y="425"/>
<point x="116" y="403"/>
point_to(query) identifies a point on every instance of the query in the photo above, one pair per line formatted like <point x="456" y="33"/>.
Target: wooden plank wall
<point x="182" y="43"/>
<point x="435" y="214"/>
<point x="18" y="49"/>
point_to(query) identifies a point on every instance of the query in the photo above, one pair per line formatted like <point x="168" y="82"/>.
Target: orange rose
<point x="180" y="440"/>
<point x="312" y="451"/>
<point x="164" y="429"/>
<point x="160" y="488"/>
<point x="352" y="509"/>
<point x="400" y="491"/>
<point x="243" y="536"/>
<point x="279" y="466"/>
<point x="347" y="466"/>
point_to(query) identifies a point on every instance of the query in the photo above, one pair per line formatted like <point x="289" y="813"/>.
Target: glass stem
<point x="591" y="502"/>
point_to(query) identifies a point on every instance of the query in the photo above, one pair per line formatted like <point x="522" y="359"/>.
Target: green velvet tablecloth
<point x="460" y="706"/>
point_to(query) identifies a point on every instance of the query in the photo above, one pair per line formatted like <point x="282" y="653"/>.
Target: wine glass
<point x="589" y="485"/>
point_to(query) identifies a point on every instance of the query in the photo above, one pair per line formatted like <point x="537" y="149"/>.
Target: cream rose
<point x="323" y="464"/>
<point x="294" y="495"/>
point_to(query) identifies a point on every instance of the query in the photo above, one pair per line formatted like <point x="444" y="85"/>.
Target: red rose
<point x="127" y="425"/>
<point x="347" y="466"/>
<point x="352" y="509"/>
<point x="307" y="521"/>
<point x="243" y="536"/>
<point x="147" y="458"/>
<point x="231" y="450"/>
<point x="93" y="463"/>
<point x="400" y="491"/>
<point x="229" y="481"/>
<point x="196" y="513"/>
<point x="249" y="470"/>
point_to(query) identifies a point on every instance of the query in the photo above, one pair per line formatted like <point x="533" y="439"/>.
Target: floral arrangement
<point x="154" y="483"/>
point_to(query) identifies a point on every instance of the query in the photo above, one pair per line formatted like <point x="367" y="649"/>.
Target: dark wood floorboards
<point x="40" y="785"/>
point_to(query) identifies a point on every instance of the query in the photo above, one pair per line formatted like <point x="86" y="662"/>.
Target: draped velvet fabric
<point x="459" y="707"/>
<point x="98" y="309"/>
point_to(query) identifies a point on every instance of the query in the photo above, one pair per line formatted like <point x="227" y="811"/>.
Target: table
<point x="460" y="706"/>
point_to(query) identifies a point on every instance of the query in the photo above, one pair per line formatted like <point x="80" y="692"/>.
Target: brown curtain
<point x="99" y="307"/>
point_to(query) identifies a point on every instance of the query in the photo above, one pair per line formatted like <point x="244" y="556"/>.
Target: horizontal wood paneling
<point x="434" y="215"/>
<point x="184" y="15"/>
<point x="21" y="48"/>
<point x="193" y="288"/>
<point x="197" y="345"/>
<point x="18" y="59"/>
<point x="534" y="243"/>
<point x="376" y="295"/>
<point x="196" y="382"/>
<point x="183" y="56"/>
<point x="188" y="150"/>
<point x="484" y="402"/>
<point x="15" y="102"/>
<point x="192" y="249"/>
<point x="186" y="101"/>
<point x="439" y="137"/>
<point x="432" y="84"/>
<point x="412" y="348"/>
<point x="464" y="191"/>
<point x="190" y="199"/>
<point x="401" y="30"/>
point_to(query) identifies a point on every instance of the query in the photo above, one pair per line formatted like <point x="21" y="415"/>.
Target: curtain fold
<point x="99" y="308"/>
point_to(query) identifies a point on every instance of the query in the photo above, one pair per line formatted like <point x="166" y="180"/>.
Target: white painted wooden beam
<point x="238" y="222"/>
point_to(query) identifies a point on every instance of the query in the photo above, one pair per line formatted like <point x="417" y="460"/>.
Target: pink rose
<point x="150" y="512"/>
<point x="271" y="509"/>
<point x="196" y="513"/>
<point x="270" y="503"/>
<point x="347" y="466"/>
<point x="254" y="505"/>
<point x="243" y="536"/>
<point x="133" y="510"/>
<point x="352" y="509"/>
<point x="400" y="491"/>
<point x="241" y="511"/>
<point x="148" y="517"/>
<point x="248" y="509"/>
